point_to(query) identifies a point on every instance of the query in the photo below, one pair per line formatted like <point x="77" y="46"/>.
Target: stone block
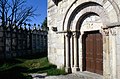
<point x="118" y="72"/>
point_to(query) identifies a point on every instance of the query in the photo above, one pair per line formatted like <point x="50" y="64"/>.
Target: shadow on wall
<point x="56" y="1"/>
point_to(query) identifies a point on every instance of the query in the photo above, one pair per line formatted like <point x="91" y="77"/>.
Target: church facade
<point x="84" y="35"/>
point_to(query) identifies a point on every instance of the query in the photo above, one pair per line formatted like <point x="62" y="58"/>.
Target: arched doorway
<point x="78" y="22"/>
<point x="93" y="52"/>
<point x="92" y="44"/>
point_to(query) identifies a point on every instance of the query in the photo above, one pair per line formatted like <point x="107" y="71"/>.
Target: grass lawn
<point x="19" y="68"/>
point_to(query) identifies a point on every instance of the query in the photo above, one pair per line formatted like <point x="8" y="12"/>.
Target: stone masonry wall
<point x="56" y="41"/>
<point x="59" y="14"/>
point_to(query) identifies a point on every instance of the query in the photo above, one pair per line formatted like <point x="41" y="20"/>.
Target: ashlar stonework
<point x="84" y="35"/>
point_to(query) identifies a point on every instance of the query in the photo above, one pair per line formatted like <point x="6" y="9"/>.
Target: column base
<point x="75" y="69"/>
<point x="68" y="70"/>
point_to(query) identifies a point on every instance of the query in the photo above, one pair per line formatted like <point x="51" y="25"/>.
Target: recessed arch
<point x="73" y="11"/>
<point x="89" y="10"/>
<point x="116" y="8"/>
<point x="88" y="7"/>
<point x="79" y="9"/>
<point x="96" y="24"/>
<point x="83" y="18"/>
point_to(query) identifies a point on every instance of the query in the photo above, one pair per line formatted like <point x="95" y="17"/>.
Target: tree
<point x="44" y="25"/>
<point x="15" y="12"/>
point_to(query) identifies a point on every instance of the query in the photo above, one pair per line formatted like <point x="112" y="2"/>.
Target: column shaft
<point x="68" y="60"/>
<point x="76" y="55"/>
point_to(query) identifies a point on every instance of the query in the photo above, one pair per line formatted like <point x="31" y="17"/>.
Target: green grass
<point x="19" y="68"/>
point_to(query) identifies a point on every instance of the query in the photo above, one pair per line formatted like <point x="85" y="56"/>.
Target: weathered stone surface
<point x="79" y="75"/>
<point x="75" y="17"/>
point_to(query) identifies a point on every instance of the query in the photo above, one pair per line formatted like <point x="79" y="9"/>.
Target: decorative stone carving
<point x="113" y="31"/>
<point x="69" y="34"/>
<point x="76" y="34"/>
<point x="106" y="32"/>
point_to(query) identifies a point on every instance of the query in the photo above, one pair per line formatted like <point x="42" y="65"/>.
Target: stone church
<point x="84" y="36"/>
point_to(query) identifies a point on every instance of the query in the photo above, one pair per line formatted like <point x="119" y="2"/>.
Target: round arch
<point x="116" y="7"/>
<point x="82" y="18"/>
<point x="90" y="8"/>
<point x="75" y="13"/>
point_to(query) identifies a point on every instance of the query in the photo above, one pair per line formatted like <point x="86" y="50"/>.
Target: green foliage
<point x="56" y="72"/>
<point x="19" y="68"/>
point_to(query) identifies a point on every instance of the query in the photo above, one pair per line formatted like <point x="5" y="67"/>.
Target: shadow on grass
<point x="12" y="61"/>
<point x="43" y="69"/>
<point x="14" y="73"/>
<point x="49" y="69"/>
<point x="16" y="68"/>
<point x="19" y="68"/>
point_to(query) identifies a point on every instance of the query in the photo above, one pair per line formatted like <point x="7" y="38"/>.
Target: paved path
<point x="78" y="75"/>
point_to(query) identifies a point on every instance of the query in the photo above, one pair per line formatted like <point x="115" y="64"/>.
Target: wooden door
<point x="93" y="52"/>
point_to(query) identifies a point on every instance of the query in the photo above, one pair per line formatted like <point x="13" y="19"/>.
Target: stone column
<point x="106" y="54"/>
<point x="80" y="51"/>
<point x="68" y="60"/>
<point x="113" y="33"/>
<point x="76" y="52"/>
<point x="72" y="50"/>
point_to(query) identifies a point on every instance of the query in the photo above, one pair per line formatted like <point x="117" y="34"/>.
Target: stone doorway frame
<point x="72" y="25"/>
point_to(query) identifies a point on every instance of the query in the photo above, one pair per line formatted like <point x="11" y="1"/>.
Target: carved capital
<point x="76" y="34"/>
<point x="106" y="32"/>
<point x="69" y="34"/>
<point x="113" y="31"/>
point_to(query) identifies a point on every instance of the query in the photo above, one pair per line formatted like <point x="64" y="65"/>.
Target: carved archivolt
<point x="73" y="11"/>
